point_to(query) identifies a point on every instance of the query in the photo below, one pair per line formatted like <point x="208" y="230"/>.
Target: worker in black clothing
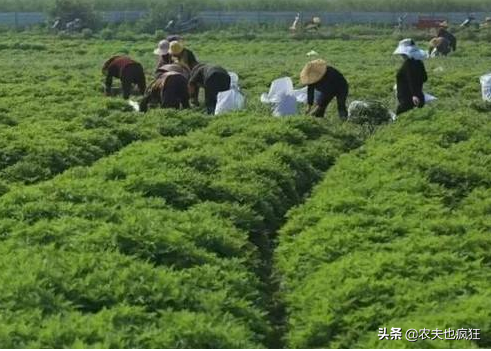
<point x="410" y="77"/>
<point x="444" y="33"/>
<point x="129" y="71"/>
<point x="317" y="75"/>
<point x="213" y="79"/>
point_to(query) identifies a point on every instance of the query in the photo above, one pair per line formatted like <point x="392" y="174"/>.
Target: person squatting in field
<point x="410" y="77"/>
<point x="213" y="79"/>
<point x="444" y="33"/>
<point x="169" y="89"/>
<point x="317" y="75"/>
<point x="128" y="71"/>
<point x="182" y="55"/>
<point x="439" y="46"/>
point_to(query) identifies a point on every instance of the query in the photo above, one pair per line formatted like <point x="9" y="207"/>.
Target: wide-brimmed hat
<point x="176" y="48"/>
<point x="408" y="47"/>
<point x="443" y="24"/>
<point x="162" y="48"/>
<point x="313" y="72"/>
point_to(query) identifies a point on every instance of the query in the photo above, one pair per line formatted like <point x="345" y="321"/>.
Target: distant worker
<point x="213" y="79"/>
<point x="486" y="24"/>
<point x="314" y="24"/>
<point x="439" y="46"/>
<point x="468" y="21"/>
<point x="128" y="71"/>
<point x="296" y="22"/>
<point x="74" y="26"/>
<point x="444" y="33"/>
<point x="318" y="76"/>
<point x="400" y="22"/>
<point x="57" y="25"/>
<point x="182" y="55"/>
<point x="169" y="89"/>
<point x="164" y="57"/>
<point x="410" y="77"/>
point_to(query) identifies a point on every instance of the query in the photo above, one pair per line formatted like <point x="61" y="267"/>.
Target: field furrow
<point x="396" y="236"/>
<point x="156" y="243"/>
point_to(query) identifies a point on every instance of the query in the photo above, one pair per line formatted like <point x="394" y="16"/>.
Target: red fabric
<point x="116" y="65"/>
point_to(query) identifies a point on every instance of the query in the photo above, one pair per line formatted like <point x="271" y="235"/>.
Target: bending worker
<point x="128" y="71"/>
<point x="444" y="33"/>
<point x="213" y="79"/>
<point x="317" y="75"/>
<point x="439" y="46"/>
<point x="182" y="55"/>
<point x="169" y="90"/>
<point x="410" y="77"/>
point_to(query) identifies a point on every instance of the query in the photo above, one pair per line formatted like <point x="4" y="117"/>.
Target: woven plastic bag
<point x="230" y="100"/>
<point x="486" y="87"/>
<point x="285" y="106"/>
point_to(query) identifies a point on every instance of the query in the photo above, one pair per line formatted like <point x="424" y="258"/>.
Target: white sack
<point x="230" y="100"/>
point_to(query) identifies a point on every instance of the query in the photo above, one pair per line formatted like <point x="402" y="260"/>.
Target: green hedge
<point x="153" y="247"/>
<point x="396" y="236"/>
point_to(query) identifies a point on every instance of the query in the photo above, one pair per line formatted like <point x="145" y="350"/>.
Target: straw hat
<point x="176" y="48"/>
<point x="408" y="47"/>
<point x="313" y="72"/>
<point x="162" y="49"/>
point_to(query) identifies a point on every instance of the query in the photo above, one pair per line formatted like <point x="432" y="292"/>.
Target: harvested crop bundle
<point x="371" y="113"/>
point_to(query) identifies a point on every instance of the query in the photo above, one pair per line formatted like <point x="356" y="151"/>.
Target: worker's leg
<point x="184" y="94"/>
<point x="137" y="74"/>
<point x="210" y="100"/>
<point x="322" y="103"/>
<point x="141" y="80"/>
<point x="144" y="103"/>
<point x="215" y="84"/>
<point x="126" y="85"/>
<point x="341" y="100"/>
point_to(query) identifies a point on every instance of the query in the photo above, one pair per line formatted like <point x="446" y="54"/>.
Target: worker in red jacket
<point x="128" y="71"/>
<point x="169" y="89"/>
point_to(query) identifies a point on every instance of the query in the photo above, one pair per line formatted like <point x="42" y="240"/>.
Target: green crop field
<point x="175" y="229"/>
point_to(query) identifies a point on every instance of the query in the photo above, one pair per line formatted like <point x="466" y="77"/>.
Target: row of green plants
<point x="283" y="5"/>
<point x="396" y="236"/>
<point x="54" y="116"/>
<point x="163" y="244"/>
